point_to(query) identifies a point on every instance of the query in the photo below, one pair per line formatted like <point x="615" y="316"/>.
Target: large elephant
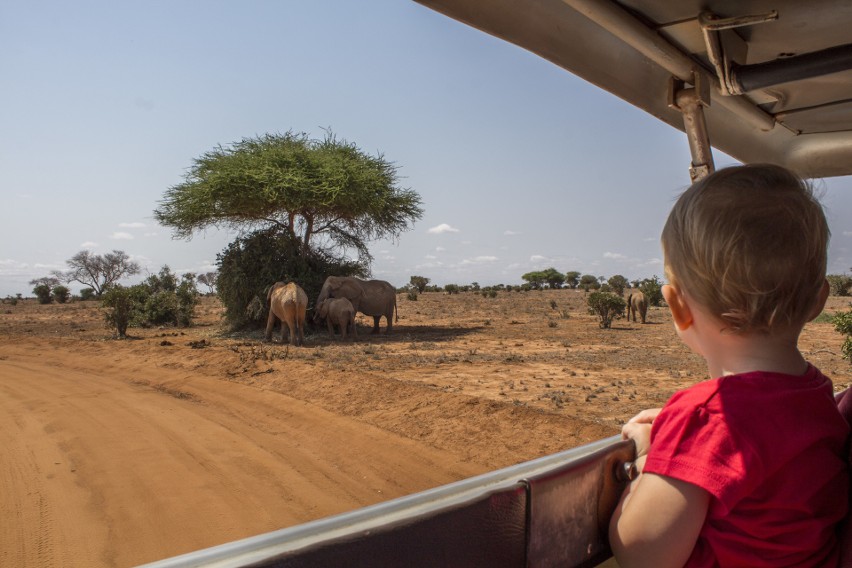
<point x="339" y="312"/>
<point x="288" y="303"/>
<point x="637" y="302"/>
<point x="375" y="298"/>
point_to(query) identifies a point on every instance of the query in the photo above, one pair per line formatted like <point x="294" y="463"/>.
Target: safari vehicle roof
<point x="778" y="72"/>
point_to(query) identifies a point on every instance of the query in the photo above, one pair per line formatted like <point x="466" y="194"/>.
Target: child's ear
<point x="681" y="314"/>
<point x="822" y="297"/>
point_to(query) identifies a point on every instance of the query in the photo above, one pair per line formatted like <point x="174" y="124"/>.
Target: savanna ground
<point x="117" y="453"/>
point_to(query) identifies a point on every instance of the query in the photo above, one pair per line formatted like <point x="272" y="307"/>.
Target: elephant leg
<point x="343" y="329"/>
<point x="389" y="317"/>
<point x="300" y="329"/>
<point x="291" y="331"/>
<point x="354" y="329"/>
<point x="270" y="325"/>
<point x="300" y="321"/>
<point x="376" y="320"/>
<point x="330" y="327"/>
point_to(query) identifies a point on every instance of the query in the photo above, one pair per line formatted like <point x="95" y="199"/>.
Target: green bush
<point x="121" y="304"/>
<point x="42" y="292"/>
<point x="839" y="284"/>
<point x="618" y="283"/>
<point x="61" y="294"/>
<point x="87" y="294"/>
<point x="412" y="294"/>
<point x="606" y="306"/>
<point x="653" y="290"/>
<point x="843" y="323"/>
<point x="451" y="289"/>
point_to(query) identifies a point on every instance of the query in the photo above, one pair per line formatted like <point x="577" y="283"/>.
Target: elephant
<point x="375" y="298"/>
<point x="636" y="301"/>
<point x="288" y="303"/>
<point x="338" y="311"/>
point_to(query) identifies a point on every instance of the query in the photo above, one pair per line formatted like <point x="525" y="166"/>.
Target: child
<point x="747" y="468"/>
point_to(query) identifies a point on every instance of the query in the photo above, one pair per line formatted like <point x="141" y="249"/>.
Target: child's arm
<point x="658" y="519"/>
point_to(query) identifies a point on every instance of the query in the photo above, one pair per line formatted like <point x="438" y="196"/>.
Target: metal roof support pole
<point x="623" y="25"/>
<point x="690" y="101"/>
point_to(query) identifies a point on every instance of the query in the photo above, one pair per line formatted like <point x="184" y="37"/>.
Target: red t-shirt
<point x="770" y="449"/>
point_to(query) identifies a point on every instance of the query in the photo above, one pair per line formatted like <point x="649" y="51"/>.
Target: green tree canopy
<point x="618" y="283"/>
<point x="419" y="282"/>
<point x="553" y="277"/>
<point x="572" y="278"/>
<point x="327" y="194"/>
<point x="587" y="282"/>
<point x="535" y="279"/>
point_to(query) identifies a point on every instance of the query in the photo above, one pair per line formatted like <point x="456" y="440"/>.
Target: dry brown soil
<point x="120" y="452"/>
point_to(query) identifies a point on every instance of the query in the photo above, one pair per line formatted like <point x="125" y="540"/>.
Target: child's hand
<point x="638" y="429"/>
<point x="646" y="416"/>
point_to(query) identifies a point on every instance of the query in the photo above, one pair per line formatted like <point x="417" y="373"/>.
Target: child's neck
<point x="733" y="354"/>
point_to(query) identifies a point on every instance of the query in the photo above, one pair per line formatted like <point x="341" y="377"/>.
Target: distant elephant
<point x="375" y="298"/>
<point x="636" y="301"/>
<point x="339" y="312"/>
<point x="288" y="303"/>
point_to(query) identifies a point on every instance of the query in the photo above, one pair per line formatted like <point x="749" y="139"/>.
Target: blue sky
<point x="520" y="165"/>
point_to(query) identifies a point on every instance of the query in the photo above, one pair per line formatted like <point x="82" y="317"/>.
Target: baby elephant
<point x="288" y="303"/>
<point x="338" y="311"/>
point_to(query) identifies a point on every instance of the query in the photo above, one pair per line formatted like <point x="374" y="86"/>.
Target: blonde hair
<point x="749" y="244"/>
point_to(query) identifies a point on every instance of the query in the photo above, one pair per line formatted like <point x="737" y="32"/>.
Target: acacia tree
<point x="208" y="279"/>
<point x="572" y="278"/>
<point x="98" y="271"/>
<point x="419" y="283"/>
<point x="553" y="277"/>
<point x="325" y="194"/>
<point x="535" y="279"/>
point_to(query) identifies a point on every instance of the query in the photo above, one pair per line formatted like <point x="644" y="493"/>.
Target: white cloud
<point x="442" y="228"/>
<point x="150" y="234"/>
<point x="614" y="255"/>
<point x="121" y="236"/>
<point x="510" y="233"/>
<point x="847" y="233"/>
<point x="89" y="245"/>
<point x="440" y="249"/>
<point x="539" y="258"/>
<point x="134" y="225"/>
<point x="430" y="257"/>
<point x="480" y="260"/>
